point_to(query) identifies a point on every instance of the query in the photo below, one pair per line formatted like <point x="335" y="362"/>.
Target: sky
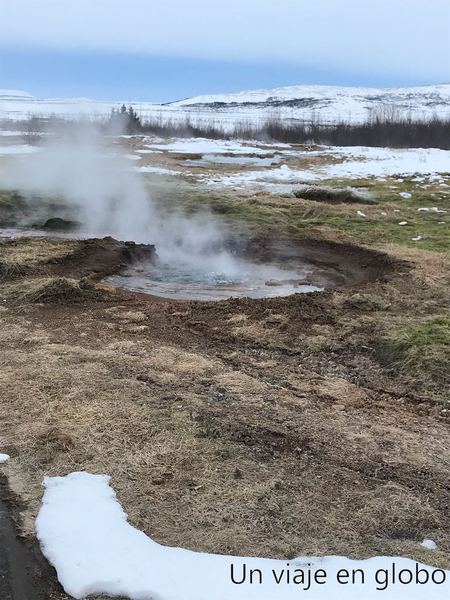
<point x="166" y="50"/>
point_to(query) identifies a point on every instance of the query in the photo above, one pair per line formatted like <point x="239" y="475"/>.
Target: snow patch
<point x="156" y="170"/>
<point x="429" y="544"/>
<point x="206" y="146"/>
<point x="354" y="163"/>
<point x="84" y="533"/>
<point x="18" y="149"/>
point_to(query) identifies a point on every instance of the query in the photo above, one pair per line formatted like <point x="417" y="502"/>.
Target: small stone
<point x="237" y="473"/>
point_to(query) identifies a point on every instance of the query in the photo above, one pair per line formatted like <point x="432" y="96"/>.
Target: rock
<point x="58" y="224"/>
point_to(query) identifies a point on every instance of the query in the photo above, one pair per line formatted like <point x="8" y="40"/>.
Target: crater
<point x="255" y="268"/>
<point x="238" y="268"/>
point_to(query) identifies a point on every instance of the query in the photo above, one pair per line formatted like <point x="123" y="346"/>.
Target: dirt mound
<point x="102" y="257"/>
<point x="334" y="195"/>
<point x="58" y="224"/>
<point x="61" y="290"/>
<point x="96" y="258"/>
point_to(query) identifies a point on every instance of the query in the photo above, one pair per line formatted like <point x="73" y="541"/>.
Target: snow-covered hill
<point x="305" y="102"/>
<point x="330" y="103"/>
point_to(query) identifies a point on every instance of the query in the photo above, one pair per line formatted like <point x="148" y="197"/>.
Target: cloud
<point x="379" y="36"/>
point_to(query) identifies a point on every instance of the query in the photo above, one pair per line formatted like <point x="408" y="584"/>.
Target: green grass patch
<point x="380" y="226"/>
<point x="422" y="349"/>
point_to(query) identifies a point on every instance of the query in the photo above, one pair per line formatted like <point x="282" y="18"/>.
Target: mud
<point x="97" y="258"/>
<point x="24" y="573"/>
<point x="93" y="258"/>
<point x="333" y="264"/>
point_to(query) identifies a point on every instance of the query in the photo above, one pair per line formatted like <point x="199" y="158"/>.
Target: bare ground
<point x="273" y="428"/>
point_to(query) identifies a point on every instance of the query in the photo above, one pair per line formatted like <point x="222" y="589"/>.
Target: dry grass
<point x="246" y="428"/>
<point x="195" y="447"/>
<point x="19" y="256"/>
<point x="57" y="290"/>
<point x="433" y="268"/>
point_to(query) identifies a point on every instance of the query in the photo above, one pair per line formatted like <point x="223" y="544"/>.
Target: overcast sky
<point x="167" y="49"/>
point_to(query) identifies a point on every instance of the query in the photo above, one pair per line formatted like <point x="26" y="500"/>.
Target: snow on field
<point x="84" y="533"/>
<point x="384" y="162"/>
<point x="156" y="170"/>
<point x="206" y="146"/>
<point x="18" y="149"/>
<point x="148" y="151"/>
<point x="354" y="163"/>
<point x="8" y="133"/>
<point x="242" y="160"/>
<point x="326" y="103"/>
<point x="4" y="458"/>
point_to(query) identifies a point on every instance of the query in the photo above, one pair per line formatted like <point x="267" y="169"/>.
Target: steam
<point x="82" y="175"/>
<point x="95" y="183"/>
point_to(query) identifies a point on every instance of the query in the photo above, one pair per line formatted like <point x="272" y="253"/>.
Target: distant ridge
<point x="328" y="104"/>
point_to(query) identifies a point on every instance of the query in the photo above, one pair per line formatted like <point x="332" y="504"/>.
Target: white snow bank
<point x="84" y="533"/>
<point x="4" y="458"/>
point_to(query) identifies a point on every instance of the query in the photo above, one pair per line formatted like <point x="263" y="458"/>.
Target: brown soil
<point x="262" y="427"/>
<point x="94" y="258"/>
<point x="24" y="572"/>
<point x="334" y="264"/>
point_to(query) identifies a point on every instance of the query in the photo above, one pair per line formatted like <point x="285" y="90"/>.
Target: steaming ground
<point x="97" y="188"/>
<point x="313" y="424"/>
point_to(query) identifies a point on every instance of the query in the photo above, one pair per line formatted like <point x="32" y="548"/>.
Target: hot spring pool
<point x="184" y="280"/>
